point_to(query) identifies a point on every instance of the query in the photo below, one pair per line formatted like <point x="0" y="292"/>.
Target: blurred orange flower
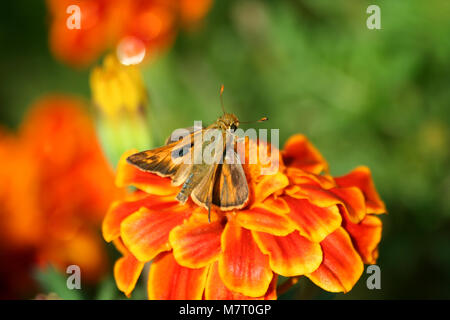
<point x="298" y="221"/>
<point x="50" y="203"/>
<point x="107" y="23"/>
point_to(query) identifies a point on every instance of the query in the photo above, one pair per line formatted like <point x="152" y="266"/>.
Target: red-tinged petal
<point x="196" y="243"/>
<point x="242" y="266"/>
<point x="362" y="179"/>
<point x="298" y="152"/>
<point x="291" y="255"/>
<point x="350" y="199"/>
<point x="216" y="290"/>
<point x="301" y="177"/>
<point x="266" y="218"/>
<point x="146" y="233"/>
<point x="126" y="272"/>
<point x="341" y="266"/>
<point x="313" y="222"/>
<point x="366" y="236"/>
<point x="170" y="281"/>
<point x="270" y="184"/>
<point x="129" y="175"/>
<point x="121" y="209"/>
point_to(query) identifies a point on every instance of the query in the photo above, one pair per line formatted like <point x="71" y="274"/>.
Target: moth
<point x="220" y="182"/>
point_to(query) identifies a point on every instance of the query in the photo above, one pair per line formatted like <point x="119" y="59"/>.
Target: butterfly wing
<point x="230" y="188"/>
<point x="173" y="160"/>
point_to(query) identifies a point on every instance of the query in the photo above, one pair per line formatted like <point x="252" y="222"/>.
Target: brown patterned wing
<point x="230" y="188"/>
<point x="173" y="160"/>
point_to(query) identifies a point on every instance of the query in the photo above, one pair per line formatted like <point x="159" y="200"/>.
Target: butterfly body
<point x="221" y="182"/>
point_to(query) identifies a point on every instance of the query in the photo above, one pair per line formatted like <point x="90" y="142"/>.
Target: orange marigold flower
<point x="50" y="205"/>
<point x="104" y="24"/>
<point x="299" y="221"/>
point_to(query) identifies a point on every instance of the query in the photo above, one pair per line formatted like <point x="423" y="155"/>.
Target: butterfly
<point x="220" y="182"/>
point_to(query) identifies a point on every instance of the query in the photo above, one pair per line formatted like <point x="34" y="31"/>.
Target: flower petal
<point x="149" y="182"/>
<point x="146" y="233"/>
<point x="291" y="255"/>
<point x="301" y="177"/>
<point x="216" y="290"/>
<point x="341" y="266"/>
<point x="242" y="266"/>
<point x="170" y="281"/>
<point x="196" y="243"/>
<point x="351" y="200"/>
<point x="126" y="272"/>
<point x="119" y="210"/>
<point x="298" y="152"/>
<point x="362" y="179"/>
<point x="366" y="236"/>
<point x="313" y="222"/>
<point x="266" y="217"/>
<point x="270" y="184"/>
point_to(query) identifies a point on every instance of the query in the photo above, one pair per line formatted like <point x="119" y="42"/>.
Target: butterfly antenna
<point x="260" y="120"/>
<point x="221" y="98"/>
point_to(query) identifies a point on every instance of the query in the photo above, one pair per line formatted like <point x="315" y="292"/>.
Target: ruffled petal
<point x="146" y="233"/>
<point x="216" y="290"/>
<point x="313" y="222"/>
<point x="126" y="273"/>
<point x="350" y="200"/>
<point x="128" y="175"/>
<point x="196" y="243"/>
<point x="291" y="255"/>
<point x="341" y="266"/>
<point x="298" y="152"/>
<point x="300" y="177"/>
<point x="366" y="236"/>
<point x="119" y="210"/>
<point x="269" y="217"/>
<point x="242" y="266"/>
<point x="362" y="179"/>
<point x="270" y="184"/>
<point x="170" y="281"/>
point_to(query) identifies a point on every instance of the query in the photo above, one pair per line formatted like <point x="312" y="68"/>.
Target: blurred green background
<point x="379" y="98"/>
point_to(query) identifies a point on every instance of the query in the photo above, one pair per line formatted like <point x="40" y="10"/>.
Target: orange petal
<point x="341" y="266"/>
<point x="301" y="177"/>
<point x="266" y="217"/>
<point x="351" y="200"/>
<point x="292" y="255"/>
<point x="366" y="236"/>
<point x="146" y="233"/>
<point x="362" y="179"/>
<point x="242" y="266"/>
<point x="128" y="174"/>
<point x="313" y="222"/>
<point x="196" y="243"/>
<point x="170" y="281"/>
<point x="119" y="210"/>
<point x="270" y="184"/>
<point x="298" y="152"/>
<point x="126" y="272"/>
<point x="216" y="290"/>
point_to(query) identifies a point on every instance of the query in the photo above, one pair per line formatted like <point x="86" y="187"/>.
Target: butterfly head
<point x="228" y="121"/>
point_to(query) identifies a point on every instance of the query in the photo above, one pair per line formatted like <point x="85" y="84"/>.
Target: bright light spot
<point x="130" y="51"/>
